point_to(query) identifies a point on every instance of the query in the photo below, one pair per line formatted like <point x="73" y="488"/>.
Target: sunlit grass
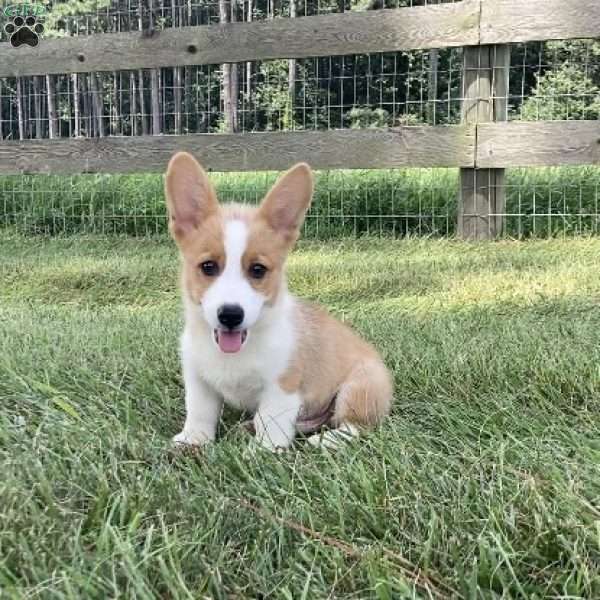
<point x="485" y="479"/>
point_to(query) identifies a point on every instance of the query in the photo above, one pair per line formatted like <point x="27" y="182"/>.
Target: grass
<point x="484" y="483"/>
<point x="540" y="202"/>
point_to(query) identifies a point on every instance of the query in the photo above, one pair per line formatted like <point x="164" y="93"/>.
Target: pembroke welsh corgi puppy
<point x="247" y="341"/>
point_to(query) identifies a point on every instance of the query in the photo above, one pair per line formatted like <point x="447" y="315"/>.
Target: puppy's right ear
<point x="191" y="198"/>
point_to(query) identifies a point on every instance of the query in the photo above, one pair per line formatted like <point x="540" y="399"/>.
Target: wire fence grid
<point x="548" y="81"/>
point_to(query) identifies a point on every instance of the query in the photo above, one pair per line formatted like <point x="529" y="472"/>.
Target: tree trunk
<point x="187" y="78"/>
<point x="97" y="103"/>
<point x="27" y="97"/>
<point x="142" y="103"/>
<point x="145" y="24"/>
<point x="116" y="113"/>
<point x="249" y="17"/>
<point x="133" y="103"/>
<point x="226" y="76"/>
<point x="176" y="16"/>
<point x="432" y="85"/>
<point x="77" y="117"/>
<point x="432" y="82"/>
<point x="37" y="108"/>
<point x="92" y="108"/>
<point x="1" y="114"/>
<point x="226" y="95"/>
<point x="27" y="110"/>
<point x="234" y="74"/>
<point x="21" y="122"/>
<point x="292" y="71"/>
<point x="155" y="98"/>
<point x="53" y="131"/>
<point x="87" y="111"/>
<point x="177" y="98"/>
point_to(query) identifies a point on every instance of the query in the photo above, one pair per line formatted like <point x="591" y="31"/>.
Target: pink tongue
<point x="229" y="341"/>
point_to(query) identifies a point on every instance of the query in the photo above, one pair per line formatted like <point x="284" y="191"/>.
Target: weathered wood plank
<point x="485" y="99"/>
<point x="541" y="144"/>
<point x="444" y="25"/>
<point x="511" y="21"/>
<point x="443" y="146"/>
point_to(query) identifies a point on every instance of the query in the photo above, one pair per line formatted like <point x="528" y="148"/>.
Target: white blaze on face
<point x="232" y="286"/>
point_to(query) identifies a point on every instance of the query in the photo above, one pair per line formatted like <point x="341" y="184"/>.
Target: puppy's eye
<point x="257" y="271"/>
<point x="210" y="268"/>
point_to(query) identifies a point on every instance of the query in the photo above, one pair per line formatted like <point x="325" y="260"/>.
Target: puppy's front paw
<point x="186" y="439"/>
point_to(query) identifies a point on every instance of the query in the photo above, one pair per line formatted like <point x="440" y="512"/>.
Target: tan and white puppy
<point x="247" y="341"/>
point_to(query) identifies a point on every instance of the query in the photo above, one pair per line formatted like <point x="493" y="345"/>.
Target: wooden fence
<point x="482" y="146"/>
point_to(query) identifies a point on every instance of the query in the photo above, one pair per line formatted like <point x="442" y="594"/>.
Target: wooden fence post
<point x="482" y="198"/>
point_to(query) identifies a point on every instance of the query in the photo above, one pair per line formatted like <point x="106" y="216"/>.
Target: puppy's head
<point x="233" y="256"/>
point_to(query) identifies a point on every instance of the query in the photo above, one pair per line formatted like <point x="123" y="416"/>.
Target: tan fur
<point x="332" y="359"/>
<point x="269" y="249"/>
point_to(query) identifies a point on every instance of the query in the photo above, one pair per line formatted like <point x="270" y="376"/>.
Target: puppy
<point x="247" y="341"/>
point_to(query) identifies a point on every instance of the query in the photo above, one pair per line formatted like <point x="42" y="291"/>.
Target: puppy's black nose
<point x="230" y="315"/>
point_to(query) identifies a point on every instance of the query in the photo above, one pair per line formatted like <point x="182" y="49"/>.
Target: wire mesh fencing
<point x="381" y="202"/>
<point x="547" y="81"/>
<point x="539" y="202"/>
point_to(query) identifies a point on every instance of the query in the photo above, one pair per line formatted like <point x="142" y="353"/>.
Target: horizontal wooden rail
<point x="512" y="21"/>
<point x="499" y="145"/>
<point x="541" y="144"/>
<point x="445" y="25"/>
<point x="442" y="146"/>
<point x="465" y="23"/>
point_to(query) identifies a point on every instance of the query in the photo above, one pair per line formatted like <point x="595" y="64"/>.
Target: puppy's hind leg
<point x="363" y="400"/>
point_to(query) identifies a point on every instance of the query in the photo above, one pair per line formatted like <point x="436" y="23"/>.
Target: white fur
<point x="275" y="419"/>
<point x="202" y="404"/>
<point x="247" y="379"/>
<point x="334" y="438"/>
<point x="231" y="287"/>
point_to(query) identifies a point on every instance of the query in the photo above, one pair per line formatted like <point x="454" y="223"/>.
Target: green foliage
<point x="366" y="118"/>
<point x="578" y="52"/>
<point x="565" y="93"/>
<point x="71" y="8"/>
<point x="273" y="97"/>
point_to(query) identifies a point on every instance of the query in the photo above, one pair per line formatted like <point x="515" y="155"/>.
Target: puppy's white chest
<point x="240" y="379"/>
<point x="238" y="382"/>
<point x="241" y="392"/>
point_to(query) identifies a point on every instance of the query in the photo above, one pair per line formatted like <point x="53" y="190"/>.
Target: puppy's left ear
<point x="285" y="206"/>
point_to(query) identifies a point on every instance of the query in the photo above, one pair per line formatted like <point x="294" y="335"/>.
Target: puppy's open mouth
<point x="230" y="341"/>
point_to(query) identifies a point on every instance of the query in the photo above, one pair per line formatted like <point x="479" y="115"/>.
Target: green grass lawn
<point x="484" y="483"/>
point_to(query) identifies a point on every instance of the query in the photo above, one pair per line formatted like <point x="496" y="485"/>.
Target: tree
<point x="20" y="108"/>
<point x="249" y="16"/>
<point x="566" y="93"/>
<point x="53" y="128"/>
<point x="228" y="123"/>
<point x="292" y="64"/>
<point x="234" y="78"/>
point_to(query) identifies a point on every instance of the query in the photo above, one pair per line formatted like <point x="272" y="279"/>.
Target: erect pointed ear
<point x="190" y="195"/>
<point x="288" y="200"/>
